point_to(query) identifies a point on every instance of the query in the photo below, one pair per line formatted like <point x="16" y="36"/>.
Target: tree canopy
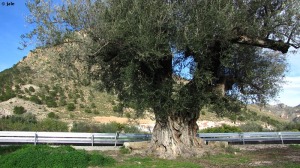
<point x="138" y="50"/>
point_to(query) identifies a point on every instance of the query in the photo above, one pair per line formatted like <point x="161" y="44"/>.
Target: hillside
<point x="46" y="83"/>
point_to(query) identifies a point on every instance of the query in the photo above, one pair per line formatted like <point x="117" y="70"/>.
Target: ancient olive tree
<point x="230" y="50"/>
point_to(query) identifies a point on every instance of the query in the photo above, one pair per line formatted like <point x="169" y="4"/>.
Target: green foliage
<point x="96" y="159"/>
<point x="118" y="108"/>
<point x="96" y="112"/>
<point x="124" y="150"/>
<point x="44" y="156"/>
<point x="104" y="128"/>
<point x="223" y="129"/>
<point x="295" y="146"/>
<point x="28" y="122"/>
<point x="52" y="115"/>
<point x="52" y="125"/>
<point x="251" y="127"/>
<point x="291" y="127"/>
<point x="87" y="110"/>
<point x="31" y="89"/>
<point x="50" y="101"/>
<point x="81" y="105"/>
<point x="9" y="149"/>
<point x="19" y="110"/>
<point x="71" y="107"/>
<point x="9" y="78"/>
<point x="142" y="162"/>
<point x="93" y="105"/>
<point x="62" y="101"/>
<point x="35" y="99"/>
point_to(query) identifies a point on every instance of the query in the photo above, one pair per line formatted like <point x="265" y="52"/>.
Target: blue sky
<point x="12" y="19"/>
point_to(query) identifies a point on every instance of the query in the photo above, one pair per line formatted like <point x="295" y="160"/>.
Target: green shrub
<point x="118" y="108"/>
<point x="52" y="115"/>
<point x="31" y="89"/>
<point x="27" y="90"/>
<point x="62" y="101"/>
<point x="104" y="128"/>
<point x="96" y="112"/>
<point x="241" y="118"/>
<point x="51" y="125"/>
<point x="88" y="111"/>
<point x="18" y="123"/>
<point x="93" y="105"/>
<point x="291" y="127"/>
<point x="19" y="110"/>
<point x="251" y="127"/>
<point x="71" y="107"/>
<point x="51" y="103"/>
<point x="223" y="129"/>
<point x="35" y="99"/>
<point x="45" y="156"/>
<point x="28" y="122"/>
<point x="124" y="150"/>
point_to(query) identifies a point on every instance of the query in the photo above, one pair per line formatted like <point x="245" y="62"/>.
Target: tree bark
<point x="176" y="137"/>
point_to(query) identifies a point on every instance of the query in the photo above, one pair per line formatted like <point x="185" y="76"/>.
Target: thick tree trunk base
<point x="176" y="138"/>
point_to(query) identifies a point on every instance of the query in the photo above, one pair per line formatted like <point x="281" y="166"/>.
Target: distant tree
<point x="141" y="51"/>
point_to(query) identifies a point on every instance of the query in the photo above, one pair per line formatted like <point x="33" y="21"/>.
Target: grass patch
<point x="9" y="149"/>
<point x="226" y="159"/>
<point x="142" y="162"/>
<point x="46" y="156"/>
<point x="124" y="150"/>
<point x="295" y="146"/>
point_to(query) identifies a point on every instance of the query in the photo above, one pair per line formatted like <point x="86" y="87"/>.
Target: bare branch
<point x="265" y="43"/>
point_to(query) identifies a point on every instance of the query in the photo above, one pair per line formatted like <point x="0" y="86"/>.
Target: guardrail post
<point x="243" y="139"/>
<point x="116" y="137"/>
<point x="92" y="138"/>
<point x="35" y="138"/>
<point x="279" y="134"/>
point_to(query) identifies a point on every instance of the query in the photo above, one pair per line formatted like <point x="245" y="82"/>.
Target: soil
<point x="122" y="120"/>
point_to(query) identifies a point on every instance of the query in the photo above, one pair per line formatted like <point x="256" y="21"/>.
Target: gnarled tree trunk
<point x="176" y="136"/>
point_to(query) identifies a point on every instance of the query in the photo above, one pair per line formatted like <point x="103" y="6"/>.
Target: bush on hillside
<point x="223" y="129"/>
<point x="29" y="123"/>
<point x="52" y="115"/>
<point x="71" y="107"/>
<point x="51" y="103"/>
<point x="251" y="127"/>
<point x="51" y="125"/>
<point x="31" y="89"/>
<point x="19" y="110"/>
<point x="104" y="128"/>
<point x="291" y="127"/>
<point x="35" y="99"/>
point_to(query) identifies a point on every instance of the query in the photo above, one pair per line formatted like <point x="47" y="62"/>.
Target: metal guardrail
<point x="250" y="137"/>
<point x="110" y="139"/>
